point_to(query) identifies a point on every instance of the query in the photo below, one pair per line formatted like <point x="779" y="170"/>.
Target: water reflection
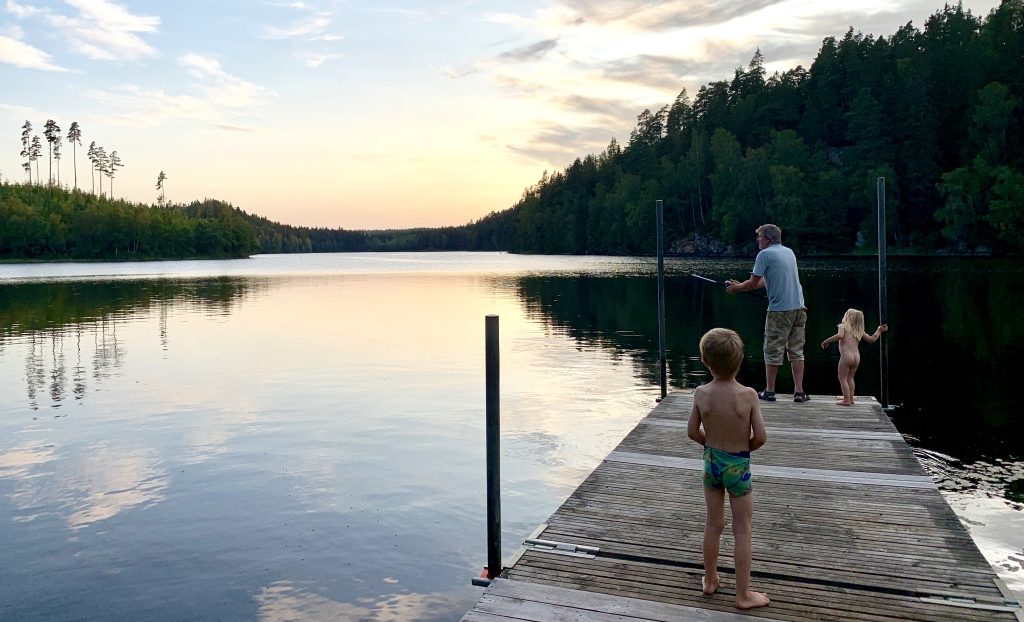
<point x="284" y="601"/>
<point x="93" y="486"/>
<point x="307" y="440"/>
<point x="51" y="319"/>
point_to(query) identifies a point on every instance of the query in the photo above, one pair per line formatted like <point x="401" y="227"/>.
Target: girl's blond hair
<point x="853" y="320"/>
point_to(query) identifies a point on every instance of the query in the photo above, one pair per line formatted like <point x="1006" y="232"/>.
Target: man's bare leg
<point x="714" y="499"/>
<point x="798" y="375"/>
<point x="770" y="373"/>
<point x="742" y="512"/>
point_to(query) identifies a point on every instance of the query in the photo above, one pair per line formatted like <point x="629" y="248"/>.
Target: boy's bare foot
<point x="751" y="600"/>
<point x="844" y="403"/>
<point x="709" y="585"/>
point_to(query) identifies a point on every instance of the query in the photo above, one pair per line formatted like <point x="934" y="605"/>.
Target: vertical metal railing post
<point x="883" y="310"/>
<point x="493" y="448"/>
<point x="659" y="209"/>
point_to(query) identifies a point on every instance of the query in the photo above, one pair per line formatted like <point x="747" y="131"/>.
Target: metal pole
<point x="493" y="449"/>
<point x="883" y="311"/>
<point x="661" y="299"/>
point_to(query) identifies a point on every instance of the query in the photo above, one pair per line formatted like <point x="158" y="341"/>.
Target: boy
<point x="733" y="427"/>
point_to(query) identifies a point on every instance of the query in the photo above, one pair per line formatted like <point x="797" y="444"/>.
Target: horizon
<point x="478" y="100"/>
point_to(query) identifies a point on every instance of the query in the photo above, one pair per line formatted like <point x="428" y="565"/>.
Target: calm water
<point x="301" y="437"/>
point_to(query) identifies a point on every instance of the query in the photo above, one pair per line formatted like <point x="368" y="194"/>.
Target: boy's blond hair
<point x="853" y="320"/>
<point x="721" y="350"/>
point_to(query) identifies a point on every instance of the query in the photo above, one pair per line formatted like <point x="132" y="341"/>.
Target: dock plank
<point x="847" y="526"/>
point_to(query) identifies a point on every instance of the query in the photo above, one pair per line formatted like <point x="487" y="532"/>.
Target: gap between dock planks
<point x="847" y="526"/>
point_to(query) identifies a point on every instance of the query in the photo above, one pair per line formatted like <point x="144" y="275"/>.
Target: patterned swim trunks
<point x="728" y="470"/>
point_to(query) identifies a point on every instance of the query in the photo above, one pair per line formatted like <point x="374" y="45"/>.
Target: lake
<point x="298" y="437"/>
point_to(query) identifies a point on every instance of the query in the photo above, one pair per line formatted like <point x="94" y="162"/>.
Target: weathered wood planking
<point x="847" y="526"/>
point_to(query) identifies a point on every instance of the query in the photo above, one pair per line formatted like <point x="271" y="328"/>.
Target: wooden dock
<point x="847" y="526"/>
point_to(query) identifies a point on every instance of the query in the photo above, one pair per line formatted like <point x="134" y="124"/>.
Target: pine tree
<point x="160" y="186"/>
<point x="36" y="152"/>
<point x="56" y="156"/>
<point x="92" y="164"/>
<point x="26" y="149"/>
<point x="52" y="133"/>
<point x="102" y="163"/>
<point x="74" y="137"/>
<point x="113" y="164"/>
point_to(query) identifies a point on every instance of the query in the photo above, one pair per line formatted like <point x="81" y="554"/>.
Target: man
<point x="784" y="327"/>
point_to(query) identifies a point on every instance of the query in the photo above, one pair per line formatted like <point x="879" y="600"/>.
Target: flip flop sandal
<point x="801" y="397"/>
<point x="766" y="395"/>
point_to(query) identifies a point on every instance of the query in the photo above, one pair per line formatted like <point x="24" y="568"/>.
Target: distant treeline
<point x="40" y="222"/>
<point x="49" y="222"/>
<point x="938" y="113"/>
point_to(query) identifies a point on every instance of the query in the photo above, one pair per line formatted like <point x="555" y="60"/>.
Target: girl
<point x="851" y="331"/>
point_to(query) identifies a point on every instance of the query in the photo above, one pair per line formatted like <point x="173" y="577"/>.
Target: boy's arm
<point x="759" y="435"/>
<point x="693" y="427"/>
<point x="878" y="333"/>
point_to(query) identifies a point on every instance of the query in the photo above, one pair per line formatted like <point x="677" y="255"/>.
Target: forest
<point x="937" y="112"/>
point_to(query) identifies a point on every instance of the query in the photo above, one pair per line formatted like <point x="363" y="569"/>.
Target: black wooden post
<point x="883" y="310"/>
<point x="493" y="449"/>
<point x="659" y="209"/>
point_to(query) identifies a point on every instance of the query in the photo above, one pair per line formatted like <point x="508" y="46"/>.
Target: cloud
<point x="649" y="70"/>
<point x="455" y="72"/>
<point x="103" y="30"/>
<point x="302" y="29"/>
<point x="528" y="53"/>
<point x="535" y="51"/>
<point x="224" y="95"/>
<point x="611" y="109"/>
<point x="222" y="88"/>
<point x="557" y="144"/>
<point x="22" y="10"/>
<point x="661" y="15"/>
<point x="429" y="14"/>
<point x="314" y="59"/>
<point x="137" y="106"/>
<point x="21" y="54"/>
<point x="236" y="128"/>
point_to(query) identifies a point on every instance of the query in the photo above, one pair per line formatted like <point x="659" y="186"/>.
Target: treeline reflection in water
<point x="275" y="405"/>
<point x="955" y="343"/>
<point x="70" y="328"/>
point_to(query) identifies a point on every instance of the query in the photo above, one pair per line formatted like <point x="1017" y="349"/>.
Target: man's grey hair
<point x="771" y="232"/>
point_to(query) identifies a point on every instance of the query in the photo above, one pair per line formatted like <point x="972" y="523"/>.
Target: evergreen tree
<point x="26" y="148"/>
<point x="92" y="163"/>
<point x="36" y="152"/>
<point x="160" y="186"/>
<point x="74" y="138"/>
<point x="113" y="164"/>
<point x="52" y="133"/>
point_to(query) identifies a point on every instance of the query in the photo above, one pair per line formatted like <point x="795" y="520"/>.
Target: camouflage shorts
<point x="784" y="332"/>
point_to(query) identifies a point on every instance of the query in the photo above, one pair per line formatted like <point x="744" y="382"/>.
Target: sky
<point x="383" y="113"/>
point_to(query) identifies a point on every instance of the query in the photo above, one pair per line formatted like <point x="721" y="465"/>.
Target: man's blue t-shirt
<point x="777" y="264"/>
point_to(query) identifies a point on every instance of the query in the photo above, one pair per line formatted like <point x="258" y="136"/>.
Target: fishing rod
<point x="706" y="279"/>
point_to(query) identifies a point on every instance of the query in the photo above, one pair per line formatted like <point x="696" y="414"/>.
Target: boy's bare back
<point x="729" y="412"/>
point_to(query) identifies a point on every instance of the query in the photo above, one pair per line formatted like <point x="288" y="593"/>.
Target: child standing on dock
<point x="732" y="428"/>
<point x="851" y="331"/>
